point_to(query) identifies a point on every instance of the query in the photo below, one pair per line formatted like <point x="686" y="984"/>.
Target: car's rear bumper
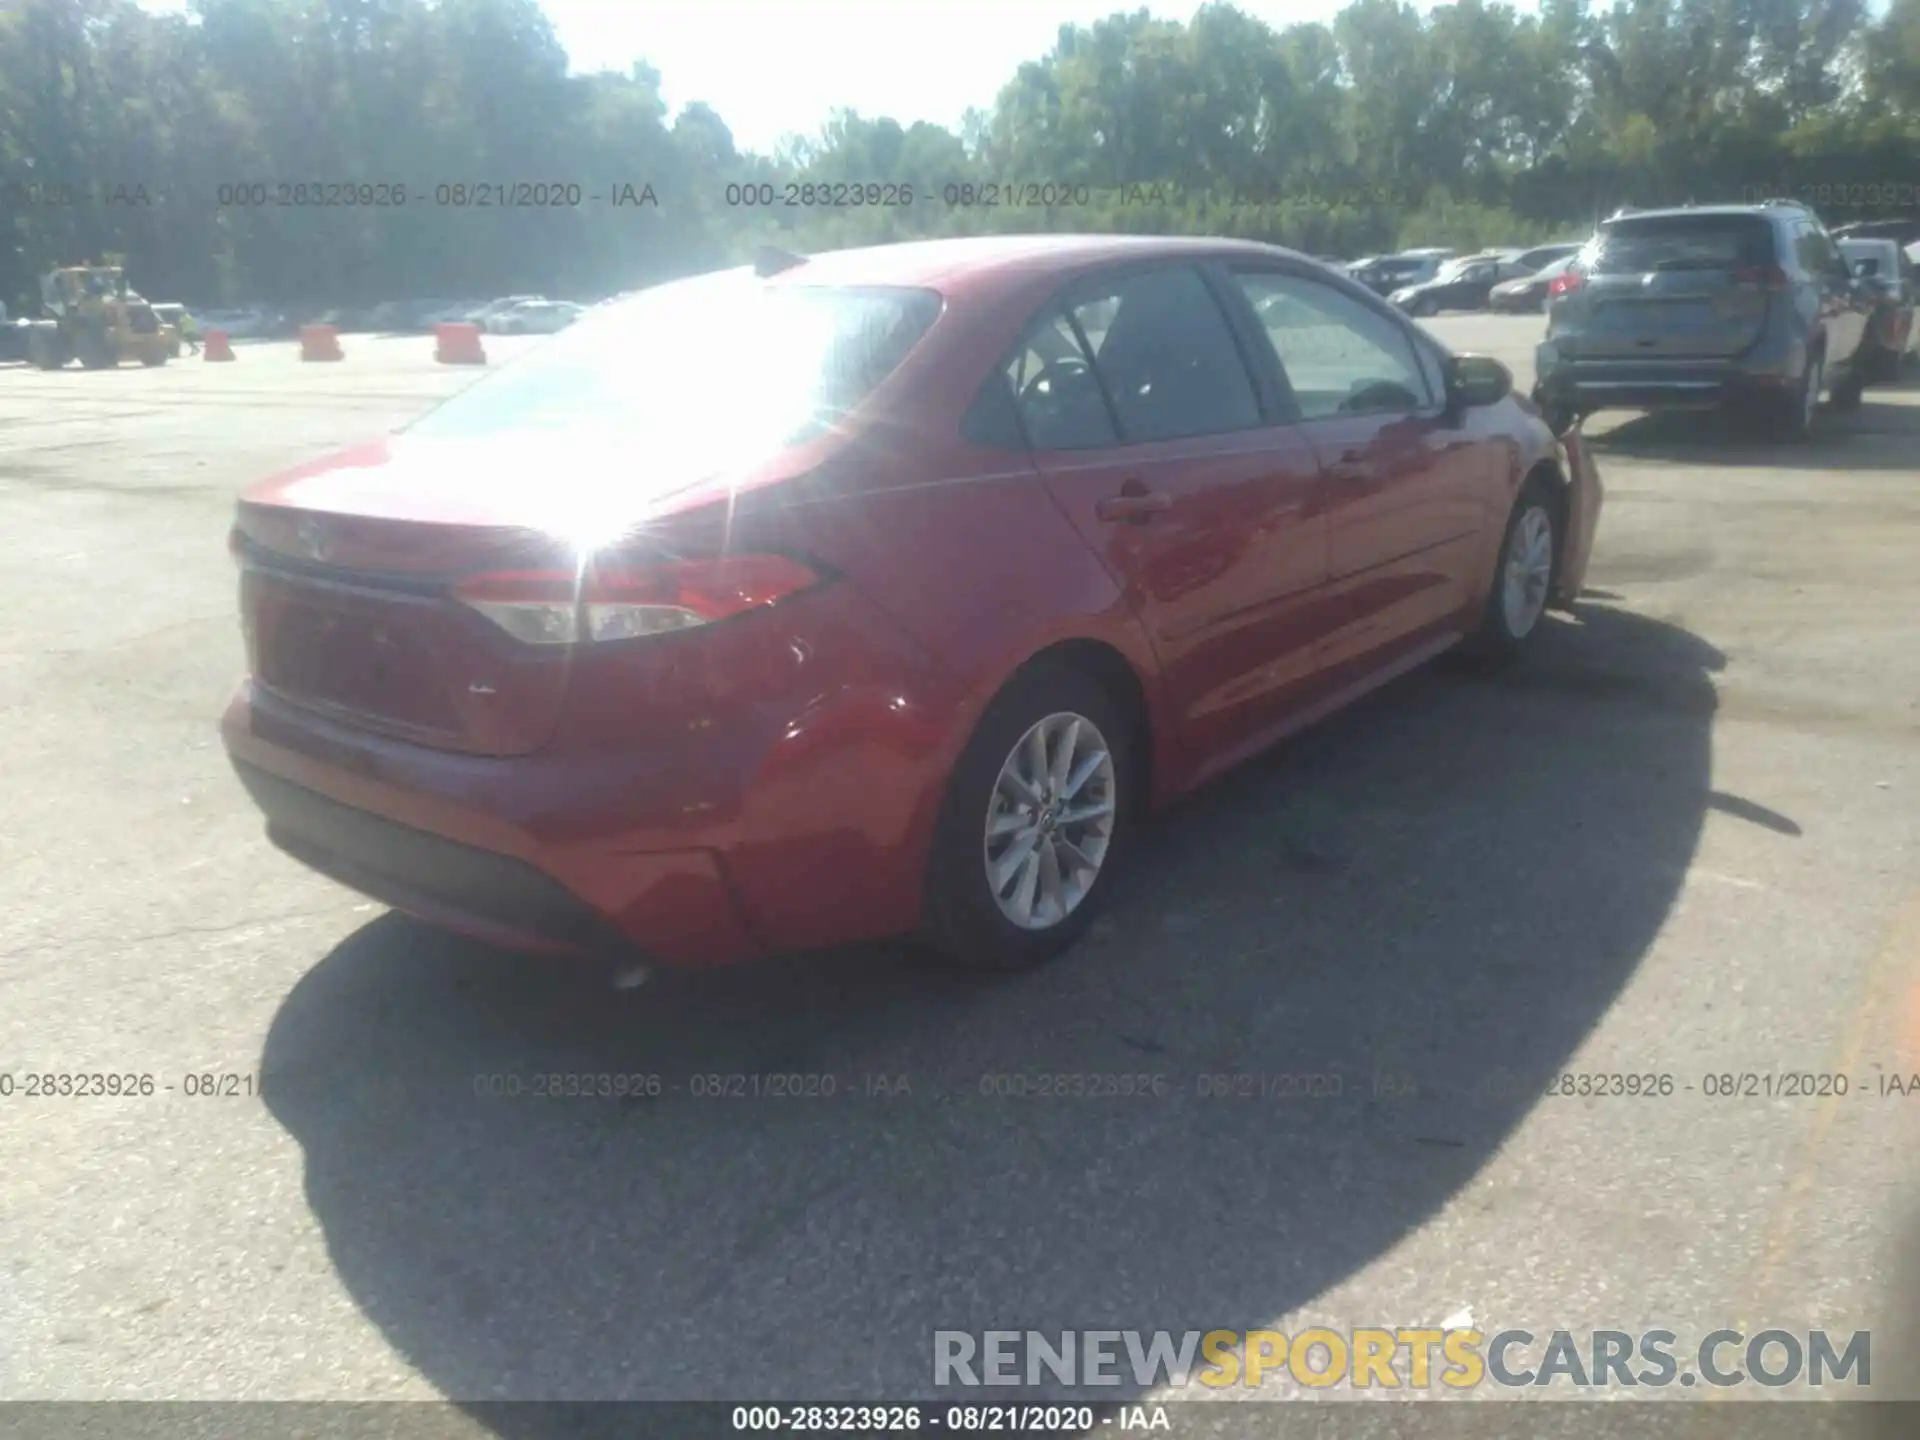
<point x="471" y="844"/>
<point x="701" y="813"/>
<point x="474" y="891"/>
<point x="1677" y="384"/>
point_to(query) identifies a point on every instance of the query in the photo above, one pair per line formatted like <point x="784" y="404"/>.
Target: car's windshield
<point x="714" y="363"/>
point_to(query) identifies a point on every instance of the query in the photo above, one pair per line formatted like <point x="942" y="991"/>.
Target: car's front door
<point x="1408" y="485"/>
<point x="1150" y="432"/>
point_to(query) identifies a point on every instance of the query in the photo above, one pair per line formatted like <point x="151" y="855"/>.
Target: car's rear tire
<point x="1024" y="853"/>
<point x="1847" y="394"/>
<point x="1799" y="419"/>
<point x="1524" y="574"/>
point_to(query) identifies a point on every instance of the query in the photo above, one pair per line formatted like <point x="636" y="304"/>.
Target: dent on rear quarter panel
<point x="983" y="572"/>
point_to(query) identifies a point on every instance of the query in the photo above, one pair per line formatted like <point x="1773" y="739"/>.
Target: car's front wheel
<point x="1036" y="816"/>
<point x="1523" y="577"/>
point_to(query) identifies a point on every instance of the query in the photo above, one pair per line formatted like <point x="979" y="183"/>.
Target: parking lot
<point x="1684" y="841"/>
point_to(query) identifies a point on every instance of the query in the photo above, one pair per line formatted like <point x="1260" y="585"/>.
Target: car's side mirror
<point x="1476" y="380"/>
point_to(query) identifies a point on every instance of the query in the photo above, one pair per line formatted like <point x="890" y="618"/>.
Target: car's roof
<point x="993" y="260"/>
<point x="1877" y="242"/>
<point x="1758" y="212"/>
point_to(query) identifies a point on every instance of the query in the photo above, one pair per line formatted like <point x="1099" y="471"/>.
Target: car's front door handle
<point x="1134" y="504"/>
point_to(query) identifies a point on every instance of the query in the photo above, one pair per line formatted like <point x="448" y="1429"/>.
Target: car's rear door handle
<point x="1133" y="504"/>
<point x="1351" y="468"/>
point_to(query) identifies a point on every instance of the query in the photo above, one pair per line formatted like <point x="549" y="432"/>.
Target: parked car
<point x="1537" y="258"/>
<point x="1903" y="230"/>
<point x="1744" y="306"/>
<point x="419" y="315"/>
<point x="1388" y="273"/>
<point x="483" y="315"/>
<point x="235" y="324"/>
<point x="1528" y="294"/>
<point x="454" y="312"/>
<point x="535" y="317"/>
<point x="1457" y="285"/>
<point x="790" y="684"/>
<point x="1889" y="275"/>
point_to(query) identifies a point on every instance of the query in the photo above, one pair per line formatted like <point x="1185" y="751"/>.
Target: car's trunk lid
<point x="348" y="569"/>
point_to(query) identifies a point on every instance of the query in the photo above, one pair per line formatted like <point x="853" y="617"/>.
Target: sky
<point x="770" y="67"/>
<point x="775" y="67"/>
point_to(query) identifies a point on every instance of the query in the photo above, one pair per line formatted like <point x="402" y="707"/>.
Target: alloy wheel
<point x="1529" y="571"/>
<point x="1050" y="821"/>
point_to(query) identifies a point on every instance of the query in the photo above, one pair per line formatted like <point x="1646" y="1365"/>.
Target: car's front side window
<point x="1340" y="357"/>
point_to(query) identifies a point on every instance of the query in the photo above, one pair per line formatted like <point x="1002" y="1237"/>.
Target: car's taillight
<point x="624" y="599"/>
<point x="1765" y="277"/>
<point x="1565" y="284"/>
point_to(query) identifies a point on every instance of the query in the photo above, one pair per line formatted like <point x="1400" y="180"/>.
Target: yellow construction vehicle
<point x="96" y="320"/>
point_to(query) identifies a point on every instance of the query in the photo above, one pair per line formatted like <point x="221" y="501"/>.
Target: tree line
<point x="349" y="151"/>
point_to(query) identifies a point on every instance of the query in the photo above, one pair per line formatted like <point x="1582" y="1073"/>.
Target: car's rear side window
<point x="1055" y="391"/>
<point x="719" y="357"/>
<point x="1646" y="243"/>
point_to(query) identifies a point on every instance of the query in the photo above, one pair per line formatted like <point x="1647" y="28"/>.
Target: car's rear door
<point x="1151" y="433"/>
<point x="1409" y="489"/>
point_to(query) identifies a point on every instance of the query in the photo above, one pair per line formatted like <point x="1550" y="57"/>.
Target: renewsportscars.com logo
<point x="1392" y="1359"/>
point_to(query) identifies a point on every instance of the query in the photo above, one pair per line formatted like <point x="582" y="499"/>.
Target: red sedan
<point x="878" y="592"/>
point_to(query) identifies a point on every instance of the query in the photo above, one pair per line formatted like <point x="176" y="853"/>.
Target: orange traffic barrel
<point x="458" y="345"/>
<point x="217" y="346"/>
<point x="320" y="342"/>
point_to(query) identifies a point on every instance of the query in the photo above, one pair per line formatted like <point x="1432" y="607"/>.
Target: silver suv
<point x="1742" y="306"/>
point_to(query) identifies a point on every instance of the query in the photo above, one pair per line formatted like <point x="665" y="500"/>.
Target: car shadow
<point x="1880" y="435"/>
<point x="1430" y="902"/>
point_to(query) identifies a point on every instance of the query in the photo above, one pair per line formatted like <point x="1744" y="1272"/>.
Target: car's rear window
<point x="727" y="358"/>
<point x="1648" y="243"/>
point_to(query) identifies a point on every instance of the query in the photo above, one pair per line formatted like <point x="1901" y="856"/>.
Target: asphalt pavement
<point x="1683" y="842"/>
